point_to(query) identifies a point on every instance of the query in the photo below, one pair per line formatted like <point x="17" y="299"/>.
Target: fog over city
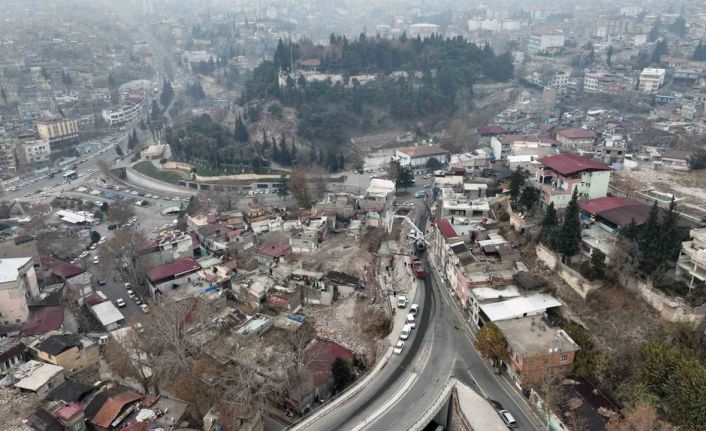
<point x="265" y="215"/>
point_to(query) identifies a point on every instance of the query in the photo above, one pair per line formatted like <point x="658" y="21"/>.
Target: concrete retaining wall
<point x="140" y="180"/>
<point x="570" y="276"/>
<point x="669" y="308"/>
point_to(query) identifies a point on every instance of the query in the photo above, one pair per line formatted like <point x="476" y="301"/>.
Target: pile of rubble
<point x="14" y="408"/>
<point x="339" y="323"/>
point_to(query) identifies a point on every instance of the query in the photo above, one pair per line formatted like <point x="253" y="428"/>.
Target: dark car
<point x="112" y="227"/>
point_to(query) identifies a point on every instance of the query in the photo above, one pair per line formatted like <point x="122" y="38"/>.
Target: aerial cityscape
<point x="382" y="215"/>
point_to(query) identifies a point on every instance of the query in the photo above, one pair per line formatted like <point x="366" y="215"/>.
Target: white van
<point x="410" y="321"/>
<point x="406" y="330"/>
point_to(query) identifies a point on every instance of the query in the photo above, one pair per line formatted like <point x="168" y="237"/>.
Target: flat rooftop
<point x="530" y="336"/>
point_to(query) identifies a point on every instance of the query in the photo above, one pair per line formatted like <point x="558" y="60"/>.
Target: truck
<point x="418" y="268"/>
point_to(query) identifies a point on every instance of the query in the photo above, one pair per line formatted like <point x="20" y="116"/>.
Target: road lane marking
<point x="388" y="404"/>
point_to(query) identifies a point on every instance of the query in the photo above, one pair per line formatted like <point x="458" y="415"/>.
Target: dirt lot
<point x="690" y="186"/>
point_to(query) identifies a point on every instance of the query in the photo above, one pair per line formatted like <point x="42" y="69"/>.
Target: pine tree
<point x="550" y="219"/>
<point x="241" y="132"/>
<point x="648" y="242"/>
<point x="569" y="239"/>
<point x="285" y="155"/>
<point x="516" y="182"/>
<point x="341" y="162"/>
<point x="671" y="238"/>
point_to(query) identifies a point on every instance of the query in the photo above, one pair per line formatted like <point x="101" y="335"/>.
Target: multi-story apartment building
<point x="58" y="130"/>
<point x="8" y="162"/>
<point x="546" y="40"/>
<point x="651" y="79"/>
<point x="123" y="115"/>
<point x="576" y="139"/>
<point x="558" y="176"/>
<point x="691" y="264"/>
<point x="33" y="152"/>
<point x="603" y="82"/>
<point x="18" y="281"/>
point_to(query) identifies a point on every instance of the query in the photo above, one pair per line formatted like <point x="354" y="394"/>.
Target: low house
<point x="513" y="308"/>
<point x="378" y="196"/>
<point x="38" y="377"/>
<point x="107" y="409"/>
<point x="271" y="255"/>
<point x="172" y="270"/>
<point x="287" y="298"/>
<point x="44" y="319"/>
<point x="72" y="352"/>
<point x="319" y="355"/>
<point x="344" y="285"/>
<point x="11" y="353"/>
<point x="164" y="249"/>
<point x="677" y="160"/>
<point x="532" y="347"/>
<point x="108" y="315"/>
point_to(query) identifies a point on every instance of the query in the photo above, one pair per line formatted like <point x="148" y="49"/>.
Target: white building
<point x="420" y="155"/>
<point x="123" y="115"/>
<point x="108" y="315"/>
<point x="423" y="30"/>
<point x="691" y="264"/>
<point x="544" y="40"/>
<point x="651" y="79"/>
<point x="18" y="281"/>
<point x="33" y="151"/>
<point x="38" y="377"/>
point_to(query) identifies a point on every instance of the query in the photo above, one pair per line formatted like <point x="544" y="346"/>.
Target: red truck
<point x="418" y="268"/>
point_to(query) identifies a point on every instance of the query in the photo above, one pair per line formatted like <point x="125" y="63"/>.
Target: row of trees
<point x="657" y="241"/>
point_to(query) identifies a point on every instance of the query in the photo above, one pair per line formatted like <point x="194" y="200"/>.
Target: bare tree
<point x="120" y="212"/>
<point x="299" y="186"/>
<point x="117" y="255"/>
<point x="641" y="418"/>
<point x="132" y="355"/>
<point x="320" y="182"/>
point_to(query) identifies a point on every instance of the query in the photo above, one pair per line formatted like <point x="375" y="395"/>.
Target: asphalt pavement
<point x="441" y="347"/>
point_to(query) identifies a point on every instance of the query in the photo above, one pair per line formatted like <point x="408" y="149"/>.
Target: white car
<point x="507" y="417"/>
<point x="96" y="261"/>
<point x="408" y="204"/>
<point x="402" y="301"/>
<point x="145" y="308"/>
<point x="398" y="347"/>
<point x="414" y="309"/>
<point x="120" y="302"/>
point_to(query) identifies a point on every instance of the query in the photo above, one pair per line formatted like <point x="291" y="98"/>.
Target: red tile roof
<point x="577" y="134"/>
<point x="112" y="408"/>
<point x="68" y="411"/>
<point x="60" y="268"/>
<point x="321" y="354"/>
<point x="446" y="229"/>
<point x="43" y="319"/>
<point x="567" y="164"/>
<point x="275" y="250"/>
<point x="231" y="264"/>
<point x="598" y="205"/>
<point x="422" y="151"/>
<point x="491" y="129"/>
<point x="179" y="267"/>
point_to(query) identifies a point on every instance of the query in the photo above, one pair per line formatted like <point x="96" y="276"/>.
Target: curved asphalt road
<point x="439" y="347"/>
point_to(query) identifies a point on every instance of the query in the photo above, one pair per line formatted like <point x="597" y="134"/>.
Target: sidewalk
<point x="399" y="315"/>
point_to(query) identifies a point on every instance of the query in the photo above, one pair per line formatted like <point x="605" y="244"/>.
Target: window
<point x="564" y="357"/>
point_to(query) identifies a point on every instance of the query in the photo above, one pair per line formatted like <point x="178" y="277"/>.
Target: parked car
<point x="120" y="302"/>
<point x="399" y="347"/>
<point x="145" y="309"/>
<point x="507" y="417"/>
<point x="413" y="309"/>
<point x="96" y="261"/>
<point x="402" y="301"/>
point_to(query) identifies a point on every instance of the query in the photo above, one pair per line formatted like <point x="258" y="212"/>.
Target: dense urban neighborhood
<point x="259" y="216"/>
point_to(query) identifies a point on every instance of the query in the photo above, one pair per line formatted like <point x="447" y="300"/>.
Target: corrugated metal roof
<point x="567" y="164"/>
